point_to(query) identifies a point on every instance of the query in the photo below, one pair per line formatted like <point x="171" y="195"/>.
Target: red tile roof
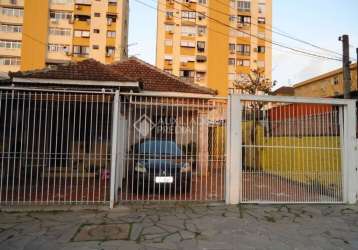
<point x="90" y="70"/>
<point x="129" y="70"/>
<point x="154" y="79"/>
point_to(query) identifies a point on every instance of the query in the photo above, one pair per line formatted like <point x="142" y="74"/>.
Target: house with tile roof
<point x="130" y="74"/>
<point x="82" y="120"/>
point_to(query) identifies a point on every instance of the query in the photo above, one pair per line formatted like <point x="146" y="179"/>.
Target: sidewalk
<point x="184" y="227"/>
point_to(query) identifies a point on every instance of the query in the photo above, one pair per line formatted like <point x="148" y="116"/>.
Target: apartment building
<point x="39" y="33"/>
<point x="214" y="43"/>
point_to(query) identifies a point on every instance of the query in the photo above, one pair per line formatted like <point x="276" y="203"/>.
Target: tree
<point x="254" y="83"/>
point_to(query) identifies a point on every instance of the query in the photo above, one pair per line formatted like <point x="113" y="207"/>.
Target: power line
<point x="282" y="33"/>
<point x="252" y="35"/>
<point x="224" y="34"/>
<point x="292" y="52"/>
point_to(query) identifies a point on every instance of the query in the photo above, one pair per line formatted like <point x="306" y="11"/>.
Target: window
<point x="168" y="42"/>
<point x="262" y="7"/>
<point x="244" y="6"/>
<point x="96" y="14"/>
<point x="112" y="2"/>
<point x="8" y="44"/>
<point x="336" y="80"/>
<point x="62" y="48"/>
<point x="261" y="20"/>
<point x="81" y="33"/>
<point x="232" y="47"/>
<point x="110" y="51"/>
<point x="168" y="57"/>
<point x="95" y="46"/>
<point x="243" y="49"/>
<point x="80" y="50"/>
<point x="169" y="28"/>
<point x="202" y="1"/>
<point x="111" y="34"/>
<point x="188" y="15"/>
<point x="185" y="59"/>
<point x="10" y="61"/>
<point x="60" y="15"/>
<point x="188" y="30"/>
<point x="187" y="73"/>
<point x="188" y="44"/>
<point x="96" y="31"/>
<point x="111" y="19"/>
<point x="59" y="31"/>
<point x="170" y="14"/>
<point x="244" y="19"/>
<point x="201" y="16"/>
<point x="83" y="18"/>
<point x="261" y="49"/>
<point x="201" y="30"/>
<point x="243" y="63"/>
<point x="61" y="1"/>
<point x="10" y="28"/>
<point x="200" y="46"/>
<point x="12" y="12"/>
<point x="232" y="61"/>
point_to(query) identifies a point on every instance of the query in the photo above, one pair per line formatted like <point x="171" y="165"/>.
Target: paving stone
<point x="185" y="227"/>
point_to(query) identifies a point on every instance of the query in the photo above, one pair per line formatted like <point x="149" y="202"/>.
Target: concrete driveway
<point x="217" y="227"/>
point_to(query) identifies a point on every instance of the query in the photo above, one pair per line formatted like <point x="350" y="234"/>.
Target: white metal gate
<point x="291" y="150"/>
<point x="171" y="148"/>
<point x="55" y="146"/>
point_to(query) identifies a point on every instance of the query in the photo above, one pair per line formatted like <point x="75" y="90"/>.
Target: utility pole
<point x="357" y="68"/>
<point x="347" y="81"/>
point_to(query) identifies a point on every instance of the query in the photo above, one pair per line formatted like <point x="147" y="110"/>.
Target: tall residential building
<point x="214" y="42"/>
<point x="38" y="33"/>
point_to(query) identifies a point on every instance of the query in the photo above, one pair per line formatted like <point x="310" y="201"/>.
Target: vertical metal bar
<point x="22" y="139"/>
<point x="50" y="150"/>
<point x="350" y="166"/>
<point x="234" y="164"/>
<point x="9" y="147"/>
<point x="15" y="146"/>
<point x="114" y="147"/>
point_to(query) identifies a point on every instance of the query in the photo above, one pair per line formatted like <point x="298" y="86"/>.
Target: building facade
<point x="326" y="85"/>
<point x="214" y="43"/>
<point x="35" y="34"/>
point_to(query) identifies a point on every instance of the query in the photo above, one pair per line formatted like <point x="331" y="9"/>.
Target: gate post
<point x="234" y="151"/>
<point x="112" y="198"/>
<point x="350" y="177"/>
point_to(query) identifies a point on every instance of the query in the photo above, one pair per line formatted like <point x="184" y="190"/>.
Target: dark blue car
<point x="158" y="164"/>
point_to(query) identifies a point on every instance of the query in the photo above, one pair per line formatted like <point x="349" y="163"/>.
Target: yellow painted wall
<point x="308" y="160"/>
<point x="34" y="44"/>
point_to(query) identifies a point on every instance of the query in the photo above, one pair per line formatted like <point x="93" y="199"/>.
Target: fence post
<point x="234" y="148"/>
<point x="114" y="149"/>
<point x="351" y="151"/>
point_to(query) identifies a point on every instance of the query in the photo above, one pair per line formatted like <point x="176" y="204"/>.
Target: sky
<point x="319" y="22"/>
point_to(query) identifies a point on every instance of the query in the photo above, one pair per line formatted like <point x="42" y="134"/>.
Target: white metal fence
<point x="88" y="147"/>
<point x="55" y="147"/>
<point x="291" y="150"/>
<point x="171" y="148"/>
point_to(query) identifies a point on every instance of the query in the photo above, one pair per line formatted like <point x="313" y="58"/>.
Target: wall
<point x="324" y="86"/>
<point x="35" y="26"/>
<point x="307" y="159"/>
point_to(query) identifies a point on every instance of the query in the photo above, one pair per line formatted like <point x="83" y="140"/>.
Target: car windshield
<point x="159" y="148"/>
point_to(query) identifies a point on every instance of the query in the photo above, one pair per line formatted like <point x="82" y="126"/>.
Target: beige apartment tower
<point x="214" y="42"/>
<point x="38" y="33"/>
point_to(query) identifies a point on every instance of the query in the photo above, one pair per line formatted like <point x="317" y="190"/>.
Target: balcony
<point x="187" y="79"/>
